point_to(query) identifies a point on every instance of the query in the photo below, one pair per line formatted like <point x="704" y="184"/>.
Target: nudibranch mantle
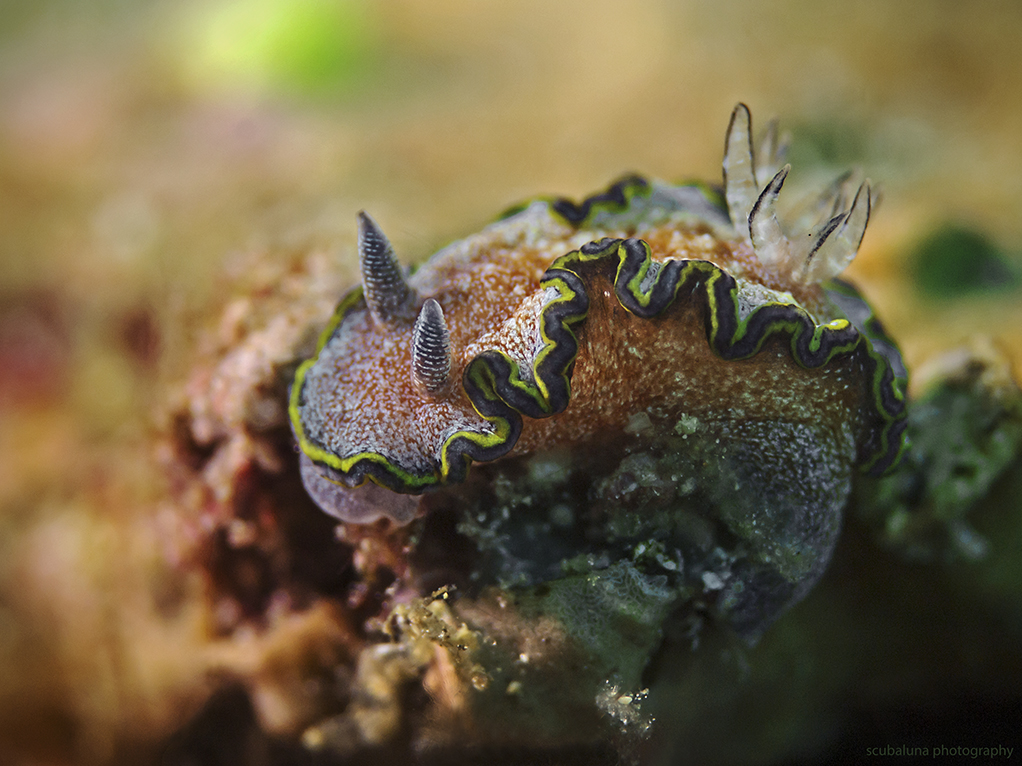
<point x="560" y="323"/>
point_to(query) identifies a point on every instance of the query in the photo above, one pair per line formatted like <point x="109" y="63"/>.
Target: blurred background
<point x="148" y="150"/>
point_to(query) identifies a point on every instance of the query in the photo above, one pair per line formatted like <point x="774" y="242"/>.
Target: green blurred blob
<point x="956" y="261"/>
<point x="304" y="46"/>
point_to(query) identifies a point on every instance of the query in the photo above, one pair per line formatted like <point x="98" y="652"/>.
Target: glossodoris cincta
<point x="571" y="326"/>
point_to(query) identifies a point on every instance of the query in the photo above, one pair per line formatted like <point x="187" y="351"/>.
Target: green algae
<point x="965" y="432"/>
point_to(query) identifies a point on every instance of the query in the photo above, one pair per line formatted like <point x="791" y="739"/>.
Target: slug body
<point x="694" y="320"/>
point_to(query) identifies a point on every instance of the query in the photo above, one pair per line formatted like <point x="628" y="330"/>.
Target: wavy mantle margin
<point x="646" y="288"/>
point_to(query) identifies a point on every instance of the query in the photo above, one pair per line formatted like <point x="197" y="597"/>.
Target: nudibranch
<point x="569" y="326"/>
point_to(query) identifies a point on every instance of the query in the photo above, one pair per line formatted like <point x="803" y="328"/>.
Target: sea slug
<point x="666" y="374"/>
<point x="558" y="323"/>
